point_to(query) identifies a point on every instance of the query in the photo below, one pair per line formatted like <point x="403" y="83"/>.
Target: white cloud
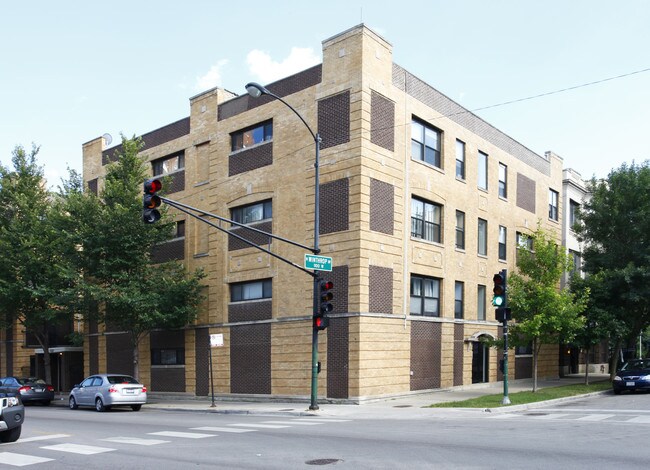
<point x="212" y="78"/>
<point x="262" y="66"/>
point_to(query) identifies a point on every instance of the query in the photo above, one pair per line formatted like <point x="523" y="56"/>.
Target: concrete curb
<point x="539" y="404"/>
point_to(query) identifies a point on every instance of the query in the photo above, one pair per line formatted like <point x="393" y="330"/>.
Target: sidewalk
<point x="394" y="407"/>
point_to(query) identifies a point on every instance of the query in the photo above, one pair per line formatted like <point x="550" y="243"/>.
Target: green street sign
<point x="318" y="263"/>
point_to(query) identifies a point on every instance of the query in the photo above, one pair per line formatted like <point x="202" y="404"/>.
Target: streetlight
<point x="256" y="90"/>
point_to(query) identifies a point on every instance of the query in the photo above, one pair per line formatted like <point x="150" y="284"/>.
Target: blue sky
<point x="71" y="71"/>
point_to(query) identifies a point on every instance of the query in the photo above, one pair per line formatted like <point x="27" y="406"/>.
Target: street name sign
<point x="318" y="263"/>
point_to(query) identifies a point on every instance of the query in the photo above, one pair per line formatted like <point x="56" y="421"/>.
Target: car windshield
<point x="121" y="379"/>
<point x="637" y="364"/>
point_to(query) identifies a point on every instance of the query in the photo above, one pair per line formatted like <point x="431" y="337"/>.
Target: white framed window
<point x="482" y="170"/>
<point x="425" y="296"/>
<point x="426" y="143"/>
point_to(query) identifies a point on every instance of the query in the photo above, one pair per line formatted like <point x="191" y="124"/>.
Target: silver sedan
<point x="103" y="391"/>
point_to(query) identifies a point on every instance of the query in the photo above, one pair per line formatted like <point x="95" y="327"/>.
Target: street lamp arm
<point x="256" y="90"/>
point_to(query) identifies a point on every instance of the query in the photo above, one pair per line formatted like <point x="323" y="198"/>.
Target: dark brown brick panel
<point x="250" y="359"/>
<point x="426" y="338"/>
<point x="334" y="206"/>
<point x="525" y="193"/>
<point x="152" y="139"/>
<point x="202" y="362"/>
<point x="254" y="237"/>
<point x="380" y="282"/>
<point x="250" y="311"/>
<point x="282" y="88"/>
<point x="338" y="337"/>
<point x="250" y="159"/>
<point x="119" y="354"/>
<point x="334" y="120"/>
<point x="459" y="351"/>
<point x="382" y="206"/>
<point x="382" y="121"/>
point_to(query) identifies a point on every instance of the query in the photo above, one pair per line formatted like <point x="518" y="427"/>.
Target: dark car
<point x="30" y="389"/>
<point x="633" y="375"/>
<point x="12" y="416"/>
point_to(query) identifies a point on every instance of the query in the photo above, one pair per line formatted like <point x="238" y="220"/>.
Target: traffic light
<point x="150" y="201"/>
<point x="321" y="321"/>
<point x="499" y="290"/>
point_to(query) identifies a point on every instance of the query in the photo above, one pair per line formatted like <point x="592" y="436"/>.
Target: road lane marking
<point x="20" y="460"/>
<point x="219" y="429"/>
<point x="187" y="435"/>
<point x="135" y="440"/>
<point x="78" y="449"/>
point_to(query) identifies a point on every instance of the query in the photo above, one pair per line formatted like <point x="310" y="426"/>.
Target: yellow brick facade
<point x="379" y="348"/>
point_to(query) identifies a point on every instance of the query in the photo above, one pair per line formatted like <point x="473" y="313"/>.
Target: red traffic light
<point x="499" y="284"/>
<point x="150" y="201"/>
<point x="152" y="186"/>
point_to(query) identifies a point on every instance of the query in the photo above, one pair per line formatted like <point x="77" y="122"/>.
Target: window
<point x="482" y="237"/>
<point x="425" y="220"/>
<point x="169" y="164"/>
<point x="576" y="262"/>
<point x="251" y="136"/>
<point x="480" y="303"/>
<point x="251" y="213"/>
<point x="460" y="230"/>
<point x="460" y="159"/>
<point x="574" y="208"/>
<point x="425" y="296"/>
<point x="552" y="204"/>
<point x="168" y="357"/>
<point x="524" y="241"/>
<point x="503" y="181"/>
<point x="179" y="230"/>
<point x="526" y="350"/>
<point x="425" y="143"/>
<point x="253" y="290"/>
<point x="482" y="170"/>
<point x="459" y="294"/>
<point x="503" y="238"/>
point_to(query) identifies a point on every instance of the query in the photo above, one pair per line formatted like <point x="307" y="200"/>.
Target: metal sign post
<point x="216" y="341"/>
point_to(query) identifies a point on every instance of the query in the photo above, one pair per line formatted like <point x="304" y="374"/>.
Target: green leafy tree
<point x="38" y="281"/>
<point x="543" y="313"/>
<point x="135" y="295"/>
<point x="615" y="227"/>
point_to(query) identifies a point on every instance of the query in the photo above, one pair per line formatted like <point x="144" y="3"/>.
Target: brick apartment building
<point x="421" y="203"/>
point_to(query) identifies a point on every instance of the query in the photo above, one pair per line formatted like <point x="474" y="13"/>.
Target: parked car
<point x="104" y="391"/>
<point x="30" y="389"/>
<point x="12" y="416"/>
<point x="633" y="375"/>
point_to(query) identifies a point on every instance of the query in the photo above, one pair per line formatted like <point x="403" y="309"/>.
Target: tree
<point x="543" y="313"/>
<point x="135" y="295"/>
<point x="615" y="227"/>
<point x="37" y="279"/>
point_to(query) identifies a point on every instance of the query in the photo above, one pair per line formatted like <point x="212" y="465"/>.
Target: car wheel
<point x="617" y="392"/>
<point x="11" y="435"/>
<point x="136" y="407"/>
<point x="72" y="403"/>
<point x="99" y="405"/>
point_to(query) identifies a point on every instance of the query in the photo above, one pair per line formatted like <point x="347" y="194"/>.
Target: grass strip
<point x="521" y="398"/>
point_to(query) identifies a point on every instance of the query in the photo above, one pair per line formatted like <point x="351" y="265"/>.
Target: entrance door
<point x="480" y="362"/>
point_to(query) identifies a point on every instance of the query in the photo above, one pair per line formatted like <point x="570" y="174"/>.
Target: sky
<point x="71" y="71"/>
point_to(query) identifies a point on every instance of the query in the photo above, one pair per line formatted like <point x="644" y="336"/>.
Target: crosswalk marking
<point x="78" y="449"/>
<point x="220" y="429"/>
<point x="20" y="460"/>
<point x="44" y="438"/>
<point x="325" y="420"/>
<point x="595" y="417"/>
<point x="135" y="440"/>
<point x="639" y="419"/>
<point x="263" y="426"/>
<point x="187" y="435"/>
<point x="291" y="423"/>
